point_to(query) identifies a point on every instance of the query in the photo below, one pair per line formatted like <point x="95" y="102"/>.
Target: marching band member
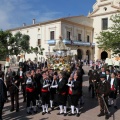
<point x="62" y="94"/>
<point x="38" y="77"/>
<point x="53" y="89"/>
<point x="74" y="93"/>
<point x="30" y="90"/>
<point x="45" y="91"/>
<point x="113" y="91"/>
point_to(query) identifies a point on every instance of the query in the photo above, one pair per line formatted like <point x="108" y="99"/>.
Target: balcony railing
<point x="72" y="42"/>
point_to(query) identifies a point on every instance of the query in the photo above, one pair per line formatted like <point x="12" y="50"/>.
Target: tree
<point x="13" y="45"/>
<point x="109" y="40"/>
<point x="37" y="50"/>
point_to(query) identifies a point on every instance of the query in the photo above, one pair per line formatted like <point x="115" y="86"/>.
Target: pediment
<point x="104" y="8"/>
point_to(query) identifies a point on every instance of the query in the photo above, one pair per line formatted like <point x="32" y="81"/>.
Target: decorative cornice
<point x="106" y="13"/>
<point x="115" y="7"/>
<point x="105" y="4"/>
<point x="109" y="3"/>
<point x="70" y="22"/>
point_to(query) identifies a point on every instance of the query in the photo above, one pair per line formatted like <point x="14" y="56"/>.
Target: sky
<point x="13" y="13"/>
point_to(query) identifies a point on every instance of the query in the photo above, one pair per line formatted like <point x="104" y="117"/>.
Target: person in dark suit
<point x="30" y="93"/>
<point x="108" y="76"/>
<point x="38" y="77"/>
<point x="102" y="72"/>
<point x="45" y="92"/>
<point x="74" y="93"/>
<point x="62" y="94"/>
<point x="113" y="89"/>
<point x="3" y="94"/>
<point x="103" y="91"/>
<point x="118" y="80"/>
<point x="21" y="76"/>
<point x="8" y="76"/>
<point x="53" y="88"/>
<point x="13" y="87"/>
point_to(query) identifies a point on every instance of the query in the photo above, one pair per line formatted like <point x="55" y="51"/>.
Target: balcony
<point x="72" y="42"/>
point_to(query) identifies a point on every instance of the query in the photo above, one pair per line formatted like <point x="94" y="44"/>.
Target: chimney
<point x="33" y="21"/>
<point x="24" y="24"/>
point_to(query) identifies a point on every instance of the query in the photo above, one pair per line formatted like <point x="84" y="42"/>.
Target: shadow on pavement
<point x="90" y="102"/>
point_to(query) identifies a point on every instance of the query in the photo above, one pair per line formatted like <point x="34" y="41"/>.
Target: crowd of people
<point x="44" y="88"/>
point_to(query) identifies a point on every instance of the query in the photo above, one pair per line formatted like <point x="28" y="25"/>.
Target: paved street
<point x="88" y="111"/>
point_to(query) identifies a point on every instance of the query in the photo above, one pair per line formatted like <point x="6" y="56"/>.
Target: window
<point x="68" y="35"/>
<point x="52" y="35"/>
<point x="38" y="39"/>
<point x="104" y="23"/>
<point x="39" y="42"/>
<point x="79" y="37"/>
<point x="88" y="38"/>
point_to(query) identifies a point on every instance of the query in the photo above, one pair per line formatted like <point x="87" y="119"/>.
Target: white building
<point x="78" y="32"/>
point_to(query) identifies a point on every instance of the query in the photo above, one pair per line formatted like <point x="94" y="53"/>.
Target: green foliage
<point x="110" y="39"/>
<point x="37" y="50"/>
<point x="13" y="45"/>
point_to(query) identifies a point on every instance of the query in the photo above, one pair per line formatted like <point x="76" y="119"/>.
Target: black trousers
<point x="45" y="98"/>
<point x="62" y="99"/>
<point x="24" y="92"/>
<point x="14" y="97"/>
<point x="1" y="107"/>
<point x="119" y="85"/>
<point x="52" y="94"/>
<point x="31" y="98"/>
<point x="113" y="94"/>
<point x="37" y="93"/>
<point x="92" y="89"/>
<point x="73" y="100"/>
<point x="102" y="104"/>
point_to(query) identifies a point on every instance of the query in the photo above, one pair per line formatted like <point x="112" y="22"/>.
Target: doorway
<point x="104" y="55"/>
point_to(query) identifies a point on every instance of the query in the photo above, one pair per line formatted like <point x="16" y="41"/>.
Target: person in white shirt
<point x="108" y="75"/>
<point x="113" y="92"/>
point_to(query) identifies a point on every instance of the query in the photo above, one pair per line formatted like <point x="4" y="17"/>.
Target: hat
<point x="102" y="76"/>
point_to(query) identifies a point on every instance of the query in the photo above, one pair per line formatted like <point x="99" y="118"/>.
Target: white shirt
<point x="103" y="81"/>
<point x="29" y="81"/>
<point x="21" y="73"/>
<point x="1" y="79"/>
<point x="103" y="72"/>
<point x="107" y="77"/>
<point x="112" y="81"/>
<point x="60" y="80"/>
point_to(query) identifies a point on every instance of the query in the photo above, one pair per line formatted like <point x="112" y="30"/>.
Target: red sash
<point x="21" y="77"/>
<point x="112" y="88"/>
<point x="70" y="91"/>
<point x="44" y="90"/>
<point x="29" y="89"/>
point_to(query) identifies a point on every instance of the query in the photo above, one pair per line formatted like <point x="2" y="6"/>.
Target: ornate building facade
<point x="78" y="32"/>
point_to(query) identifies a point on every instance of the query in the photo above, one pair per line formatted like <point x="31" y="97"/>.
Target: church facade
<point x="79" y="33"/>
<point x="102" y="11"/>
